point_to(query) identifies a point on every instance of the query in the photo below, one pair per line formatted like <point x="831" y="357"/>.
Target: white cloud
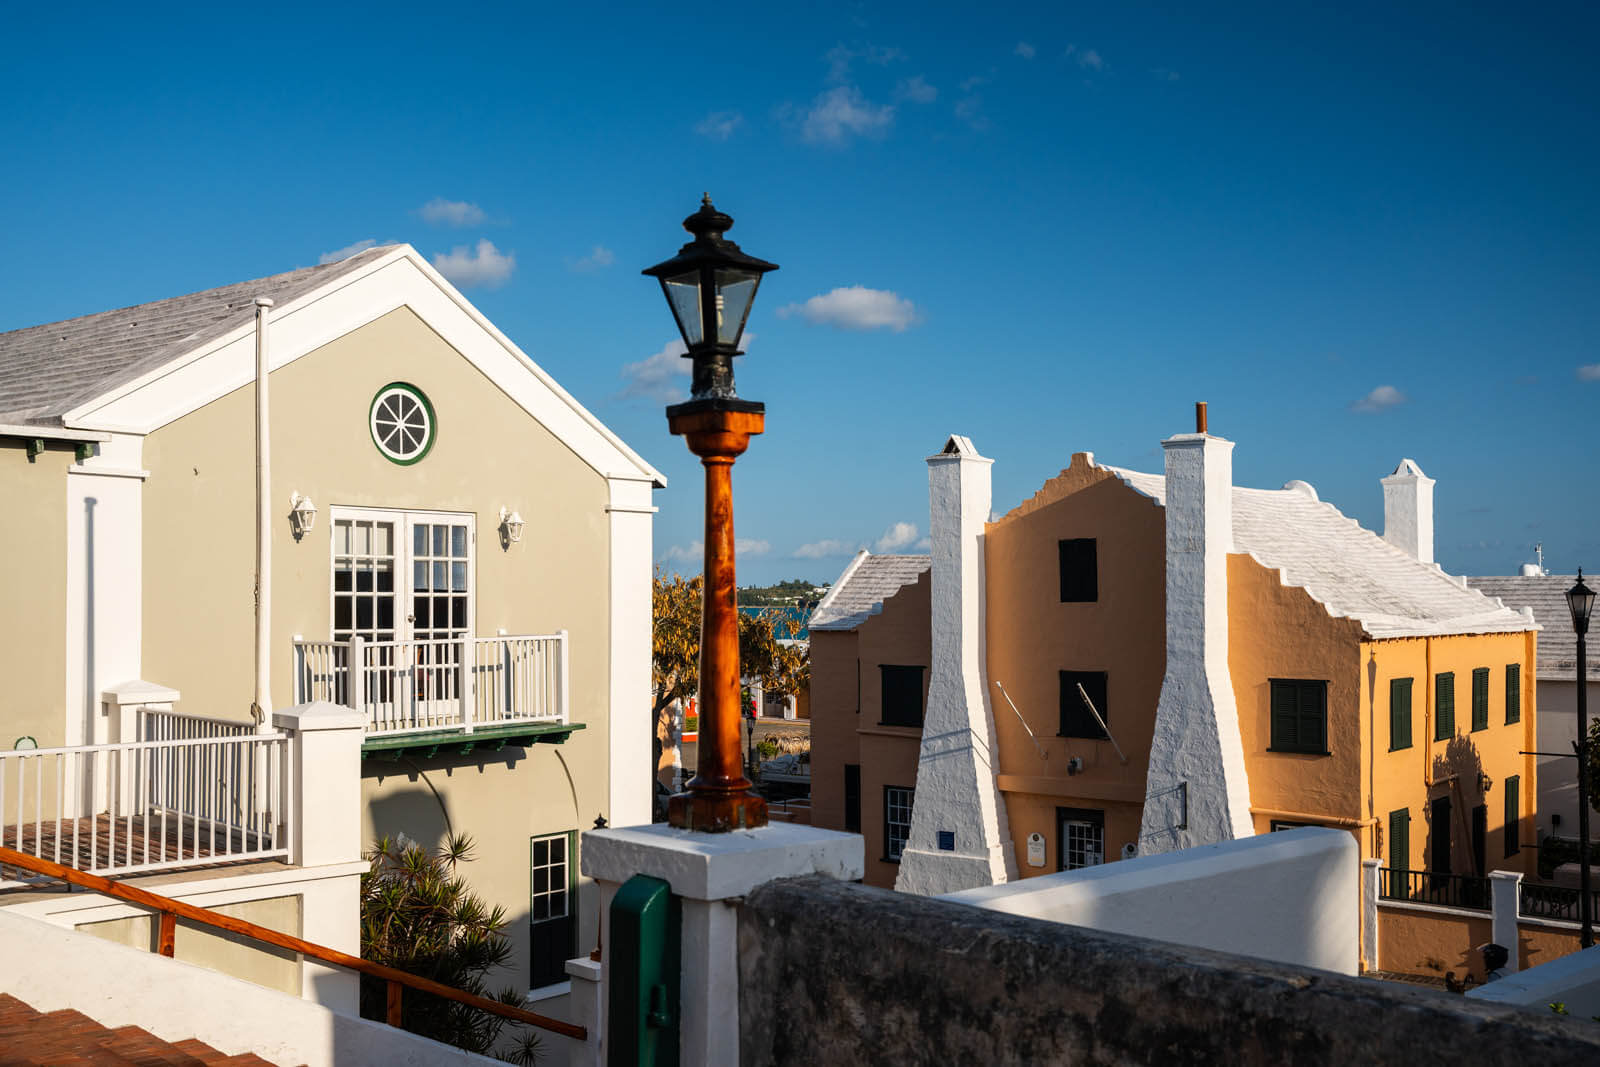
<point x="856" y="307"/>
<point x="842" y="112"/>
<point x="1589" y="373"/>
<point x="917" y="90"/>
<point x="1087" y="58"/>
<point x="896" y="537"/>
<point x="600" y="257"/>
<point x="826" y="549"/>
<point x="485" y="266"/>
<point x="442" y="212"/>
<point x="969" y="84"/>
<point x="751" y="546"/>
<point x="347" y="251"/>
<point x="1380" y="399"/>
<point x="663" y="376"/>
<point x="719" y="125"/>
<point x="1026" y="50"/>
<point x="970" y="110"/>
<point x="841" y="56"/>
<point x="695" y="551"/>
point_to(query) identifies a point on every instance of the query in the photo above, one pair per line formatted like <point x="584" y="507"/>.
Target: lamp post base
<point x="716" y="812"/>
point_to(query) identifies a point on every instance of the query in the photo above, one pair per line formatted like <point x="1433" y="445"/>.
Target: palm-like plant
<point x="419" y="915"/>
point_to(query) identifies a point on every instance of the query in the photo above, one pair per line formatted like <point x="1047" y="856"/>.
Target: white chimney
<point x="1408" y="511"/>
<point x="1196" y="791"/>
<point x="960" y="838"/>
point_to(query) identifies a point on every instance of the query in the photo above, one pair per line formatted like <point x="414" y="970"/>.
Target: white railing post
<point x="1369" y="913"/>
<point x="355" y="674"/>
<point x="561" y="682"/>
<point x="464" y="686"/>
<point x="1505" y="894"/>
<point x="300" y="679"/>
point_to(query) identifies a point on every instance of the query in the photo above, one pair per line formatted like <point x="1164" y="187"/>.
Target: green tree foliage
<point x="418" y="915"/>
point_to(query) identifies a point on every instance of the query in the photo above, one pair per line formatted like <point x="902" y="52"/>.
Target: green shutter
<point x="1399" y="843"/>
<point x="1399" y="713"/>
<point x="1444" y="706"/>
<point x="1513" y="826"/>
<point x="1513" y="692"/>
<point x="1480" y="698"/>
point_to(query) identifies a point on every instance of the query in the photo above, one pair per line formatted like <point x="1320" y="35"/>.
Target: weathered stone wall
<point x="832" y="972"/>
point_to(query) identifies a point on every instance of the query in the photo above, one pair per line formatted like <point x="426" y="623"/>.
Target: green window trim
<point x="1399" y="714"/>
<point x="399" y="423"/>
<point x="1444" y="706"/>
<point x="1513" y="814"/>
<point x="1480" y="699"/>
<point x="1513" y="693"/>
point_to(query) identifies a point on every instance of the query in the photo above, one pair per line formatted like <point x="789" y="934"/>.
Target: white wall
<point x="1292" y="897"/>
<point x="1573" y="980"/>
<point x="120" y="986"/>
<point x="1558" y="775"/>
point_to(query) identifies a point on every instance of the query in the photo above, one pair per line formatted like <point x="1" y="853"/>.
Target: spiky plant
<point x="419" y="915"/>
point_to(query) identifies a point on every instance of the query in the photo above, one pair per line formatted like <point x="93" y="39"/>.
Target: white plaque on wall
<point x="1035" y="850"/>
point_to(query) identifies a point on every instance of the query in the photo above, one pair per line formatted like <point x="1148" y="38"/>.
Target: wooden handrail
<point x="171" y="909"/>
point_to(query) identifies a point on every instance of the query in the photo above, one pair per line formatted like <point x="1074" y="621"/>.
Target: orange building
<point x="1156" y="662"/>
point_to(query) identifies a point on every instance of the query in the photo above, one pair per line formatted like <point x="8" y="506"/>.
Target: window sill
<point x="548" y="992"/>
<point x="1299" y="751"/>
<point x="1399" y="748"/>
<point x="890" y="859"/>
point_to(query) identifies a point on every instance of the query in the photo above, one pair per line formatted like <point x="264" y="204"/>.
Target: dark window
<point x="1277" y="826"/>
<point x="1080" y="581"/>
<point x="1076" y="719"/>
<point x="1480" y="840"/>
<point x="1439" y="835"/>
<point x="1513" y="692"/>
<point x="1513" y="814"/>
<point x="1400" y="841"/>
<point x="902" y="696"/>
<point x="1399" y="713"/>
<point x="1299" y="716"/>
<point x="1444" y="706"/>
<point x="852" y="798"/>
<point x="552" y="907"/>
<point x="1480" y="699"/>
<point x="1081" y="833"/>
<point x="897" y="802"/>
<point x="858" y="687"/>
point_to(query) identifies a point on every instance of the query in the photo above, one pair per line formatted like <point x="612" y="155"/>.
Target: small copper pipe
<point x="1200" y="416"/>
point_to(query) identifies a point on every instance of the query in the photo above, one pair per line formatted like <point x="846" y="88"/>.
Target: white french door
<point x="403" y="582"/>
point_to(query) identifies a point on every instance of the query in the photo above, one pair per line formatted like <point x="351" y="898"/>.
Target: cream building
<point x="502" y="667"/>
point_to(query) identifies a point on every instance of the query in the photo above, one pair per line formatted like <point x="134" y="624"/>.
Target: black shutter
<point x="1444" y="706"/>
<point x="1513" y="692"/>
<point x="1285" y="716"/>
<point x="1313" y="716"/>
<point x="1480" y="698"/>
<point x="852" y="798"/>
<point x="1399" y="844"/>
<point x="1513" y="816"/>
<point x="1399" y="713"/>
<point x="1079" y="571"/>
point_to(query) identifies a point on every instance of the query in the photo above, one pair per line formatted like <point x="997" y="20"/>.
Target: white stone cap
<point x="585" y="968"/>
<point x="704" y="866"/>
<point x="1194" y="440"/>
<point x="958" y="448"/>
<point x="319" y="715"/>
<point x="138" y="691"/>
<point x="1405" y="472"/>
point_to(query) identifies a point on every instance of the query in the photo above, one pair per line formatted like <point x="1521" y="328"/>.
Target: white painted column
<point x="1196" y="790"/>
<point x="960" y="837"/>
<point x="324" y="782"/>
<point x="631" y="788"/>
<point x="1408" y="511"/>
<point x="1505" y="896"/>
<point x="1369" y="913"/>
<point x="588" y="1011"/>
<point x="711" y="873"/>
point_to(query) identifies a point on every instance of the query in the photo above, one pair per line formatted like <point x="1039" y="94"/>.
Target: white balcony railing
<point x="461" y="683"/>
<point x="144" y="805"/>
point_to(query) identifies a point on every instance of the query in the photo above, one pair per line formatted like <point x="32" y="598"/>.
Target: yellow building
<point x="1254" y="660"/>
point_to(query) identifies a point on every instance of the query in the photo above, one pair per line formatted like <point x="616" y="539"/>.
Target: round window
<point x="402" y="422"/>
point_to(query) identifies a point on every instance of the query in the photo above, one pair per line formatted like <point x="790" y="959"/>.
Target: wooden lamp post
<point x="710" y="286"/>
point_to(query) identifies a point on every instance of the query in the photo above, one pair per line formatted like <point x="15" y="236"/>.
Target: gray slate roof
<point x="863" y="587"/>
<point x="46" y="371"/>
<point x="1547" y="596"/>
<point x="1351" y="571"/>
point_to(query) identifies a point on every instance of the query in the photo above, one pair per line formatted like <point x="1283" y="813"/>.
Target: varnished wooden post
<point x="167" y="934"/>
<point x="395" y="991"/>
<point x="719" y="797"/>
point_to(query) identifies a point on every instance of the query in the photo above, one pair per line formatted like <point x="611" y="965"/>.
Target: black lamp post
<point x="710" y="286"/>
<point x="1580" y="601"/>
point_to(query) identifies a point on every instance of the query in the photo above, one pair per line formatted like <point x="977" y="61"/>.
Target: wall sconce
<point x="511" y="525"/>
<point x="302" y="513"/>
<point x="1485" y="783"/>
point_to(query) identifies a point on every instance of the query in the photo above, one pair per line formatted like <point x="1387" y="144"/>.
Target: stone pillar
<point x="323" y="783"/>
<point x="120" y="708"/>
<point x="588" y="1011"/>
<point x="1505" y="895"/>
<point x="959" y="837"/>
<point x="1408" y="511"/>
<point x="1196" y="791"/>
<point x="711" y="873"/>
<point x="1369" y="913"/>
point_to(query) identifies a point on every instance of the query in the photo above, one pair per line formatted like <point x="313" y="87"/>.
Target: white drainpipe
<point x="261" y="707"/>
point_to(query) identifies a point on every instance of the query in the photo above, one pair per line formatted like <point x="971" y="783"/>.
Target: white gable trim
<point x="346" y="303"/>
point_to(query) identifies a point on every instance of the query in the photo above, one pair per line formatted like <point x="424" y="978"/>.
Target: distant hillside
<point x="796" y="592"/>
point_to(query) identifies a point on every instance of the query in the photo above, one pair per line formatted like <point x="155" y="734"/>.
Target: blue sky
<point x="1359" y="233"/>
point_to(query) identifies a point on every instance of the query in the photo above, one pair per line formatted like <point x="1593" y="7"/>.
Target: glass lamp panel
<point x="1580" y="600"/>
<point x="736" y="291"/>
<point x="683" y="293"/>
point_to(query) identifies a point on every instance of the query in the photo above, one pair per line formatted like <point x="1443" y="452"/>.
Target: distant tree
<point x="782" y="669"/>
<point x="418" y="915"/>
